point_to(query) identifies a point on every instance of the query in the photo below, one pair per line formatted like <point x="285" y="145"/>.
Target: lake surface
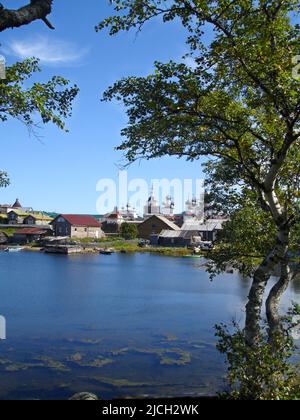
<point x="121" y="325"/>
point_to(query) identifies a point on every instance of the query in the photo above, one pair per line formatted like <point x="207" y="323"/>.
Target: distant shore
<point x="121" y="246"/>
<point x="124" y="247"/>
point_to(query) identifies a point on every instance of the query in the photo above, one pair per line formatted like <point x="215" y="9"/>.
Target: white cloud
<point x="49" y="51"/>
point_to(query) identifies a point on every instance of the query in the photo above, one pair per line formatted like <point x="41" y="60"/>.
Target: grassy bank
<point x="130" y="246"/>
<point x="120" y="245"/>
<point x="8" y="231"/>
<point x="124" y="246"/>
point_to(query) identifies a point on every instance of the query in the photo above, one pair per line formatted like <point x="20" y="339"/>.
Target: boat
<point x="14" y="249"/>
<point x="106" y="251"/>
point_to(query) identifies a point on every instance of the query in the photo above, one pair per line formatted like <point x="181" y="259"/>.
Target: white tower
<point x="168" y="206"/>
<point x="152" y="207"/>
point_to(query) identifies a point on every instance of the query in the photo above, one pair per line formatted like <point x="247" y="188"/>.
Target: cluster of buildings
<point x="194" y="212"/>
<point x="159" y="224"/>
<point x="28" y="225"/>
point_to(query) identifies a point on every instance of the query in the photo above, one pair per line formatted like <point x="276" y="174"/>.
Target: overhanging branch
<point x="35" y="10"/>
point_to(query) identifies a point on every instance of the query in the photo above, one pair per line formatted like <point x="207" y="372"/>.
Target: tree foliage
<point x="4" y="180"/>
<point x="52" y="100"/>
<point x="263" y="373"/>
<point x="246" y="238"/>
<point x="239" y="106"/>
<point x="32" y="103"/>
<point x="129" y="231"/>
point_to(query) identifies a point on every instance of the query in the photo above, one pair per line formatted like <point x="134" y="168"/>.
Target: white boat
<point x="14" y="249"/>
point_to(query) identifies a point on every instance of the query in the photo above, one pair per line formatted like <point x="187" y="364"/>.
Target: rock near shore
<point x="84" y="396"/>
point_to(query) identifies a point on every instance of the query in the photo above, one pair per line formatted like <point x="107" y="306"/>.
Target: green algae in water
<point x="176" y="358"/>
<point x="168" y="357"/>
<point x="80" y="360"/>
<point x="4" y="361"/>
<point x="48" y="362"/>
<point x="120" y="352"/>
<point x="17" y="367"/>
<point x="169" y="338"/>
<point x="87" y="341"/>
<point x="77" y="357"/>
<point x="201" y="344"/>
<point x="122" y="383"/>
<point x="97" y="363"/>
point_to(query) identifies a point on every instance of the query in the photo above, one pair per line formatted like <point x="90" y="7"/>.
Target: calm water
<point x="125" y="325"/>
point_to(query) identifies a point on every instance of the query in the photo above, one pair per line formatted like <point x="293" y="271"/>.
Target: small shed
<point x="26" y="236"/>
<point x="208" y="230"/>
<point x="181" y="238"/>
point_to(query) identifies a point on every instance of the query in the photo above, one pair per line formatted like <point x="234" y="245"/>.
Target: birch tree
<point x="238" y="105"/>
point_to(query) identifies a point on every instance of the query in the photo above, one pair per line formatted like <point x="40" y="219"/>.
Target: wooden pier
<point x="63" y="249"/>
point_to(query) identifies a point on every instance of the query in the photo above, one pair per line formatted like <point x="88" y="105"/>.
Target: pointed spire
<point x="17" y="204"/>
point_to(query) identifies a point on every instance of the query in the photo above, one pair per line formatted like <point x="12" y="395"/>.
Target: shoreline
<point x="127" y="249"/>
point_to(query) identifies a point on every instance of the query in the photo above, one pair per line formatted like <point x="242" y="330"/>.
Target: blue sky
<point x="60" y="172"/>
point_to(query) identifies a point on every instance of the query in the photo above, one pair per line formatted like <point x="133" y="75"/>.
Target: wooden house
<point x="154" y="225"/>
<point x="77" y="226"/>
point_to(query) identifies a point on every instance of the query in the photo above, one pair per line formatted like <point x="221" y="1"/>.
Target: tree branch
<point x="36" y="10"/>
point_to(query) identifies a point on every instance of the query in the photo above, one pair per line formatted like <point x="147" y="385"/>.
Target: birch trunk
<point x="273" y="301"/>
<point x="260" y="280"/>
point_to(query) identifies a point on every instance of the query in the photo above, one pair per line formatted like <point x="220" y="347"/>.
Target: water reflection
<point x="117" y="326"/>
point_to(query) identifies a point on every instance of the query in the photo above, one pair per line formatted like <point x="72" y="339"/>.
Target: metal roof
<point x="165" y="220"/>
<point x="209" y="226"/>
<point x="184" y="234"/>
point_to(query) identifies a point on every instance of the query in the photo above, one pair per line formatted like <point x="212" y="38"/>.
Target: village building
<point x="77" y="226"/>
<point x="154" y="225"/>
<point x="112" y="222"/>
<point x="168" y="207"/>
<point x="37" y="219"/>
<point x="190" y="234"/>
<point x="3" y="219"/>
<point x="208" y="230"/>
<point x="7" y="208"/>
<point x="19" y="217"/>
<point x="16" y="217"/>
<point x="26" y="236"/>
<point x="194" y="210"/>
<point x="151" y="208"/>
<point x="176" y="238"/>
<point x="129" y="213"/>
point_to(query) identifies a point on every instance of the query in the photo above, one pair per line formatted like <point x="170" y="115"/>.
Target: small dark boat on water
<point x="106" y="251"/>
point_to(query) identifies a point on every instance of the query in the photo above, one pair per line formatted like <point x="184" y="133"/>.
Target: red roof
<point x="114" y="216"/>
<point x="32" y="231"/>
<point x="78" y="220"/>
